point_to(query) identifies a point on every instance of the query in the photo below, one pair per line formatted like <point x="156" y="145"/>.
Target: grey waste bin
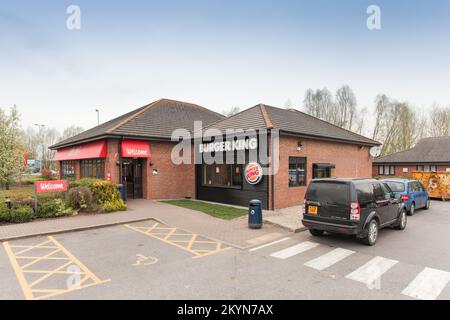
<point x="255" y="219"/>
<point x="123" y="192"/>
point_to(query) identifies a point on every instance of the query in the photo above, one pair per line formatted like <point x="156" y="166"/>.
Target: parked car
<point x="413" y="193"/>
<point x="359" y="207"/>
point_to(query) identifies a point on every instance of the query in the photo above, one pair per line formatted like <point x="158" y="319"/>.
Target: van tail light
<point x="405" y="198"/>
<point x="355" y="211"/>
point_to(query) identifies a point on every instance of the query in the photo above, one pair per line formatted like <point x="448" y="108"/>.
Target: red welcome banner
<point x="51" y="186"/>
<point x="135" y="149"/>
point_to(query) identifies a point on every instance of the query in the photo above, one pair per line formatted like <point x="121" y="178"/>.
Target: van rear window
<point x="396" y="186"/>
<point x="332" y="193"/>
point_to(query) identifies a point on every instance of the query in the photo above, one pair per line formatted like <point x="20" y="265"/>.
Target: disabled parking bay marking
<point x="197" y="245"/>
<point x="47" y="269"/>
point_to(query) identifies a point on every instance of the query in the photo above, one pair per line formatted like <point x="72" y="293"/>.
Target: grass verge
<point x="215" y="210"/>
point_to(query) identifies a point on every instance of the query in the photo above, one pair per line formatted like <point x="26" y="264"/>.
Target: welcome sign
<point x="51" y="186"/>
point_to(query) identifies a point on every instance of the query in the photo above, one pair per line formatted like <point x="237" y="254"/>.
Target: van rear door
<point x="328" y="200"/>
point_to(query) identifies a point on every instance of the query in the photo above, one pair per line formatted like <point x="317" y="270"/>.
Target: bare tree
<point x="439" y="121"/>
<point x="71" y="132"/>
<point x="345" y="107"/>
<point x="232" y="111"/>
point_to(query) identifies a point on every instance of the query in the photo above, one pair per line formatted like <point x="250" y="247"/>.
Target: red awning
<point x="135" y="149"/>
<point x="85" y="151"/>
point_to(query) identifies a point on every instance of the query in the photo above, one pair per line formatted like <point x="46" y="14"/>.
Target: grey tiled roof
<point x="290" y="121"/>
<point x="157" y="120"/>
<point x="428" y="150"/>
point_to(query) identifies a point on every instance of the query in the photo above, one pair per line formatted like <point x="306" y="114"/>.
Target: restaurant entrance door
<point x="132" y="177"/>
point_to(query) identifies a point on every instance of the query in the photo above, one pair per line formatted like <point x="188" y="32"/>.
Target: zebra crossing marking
<point x="294" y="250"/>
<point x="372" y="270"/>
<point x="327" y="260"/>
<point x="428" y="284"/>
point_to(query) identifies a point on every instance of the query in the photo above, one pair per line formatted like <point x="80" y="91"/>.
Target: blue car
<point x="413" y="193"/>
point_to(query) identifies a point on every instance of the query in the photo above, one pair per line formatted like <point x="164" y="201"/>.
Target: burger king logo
<point x="253" y="173"/>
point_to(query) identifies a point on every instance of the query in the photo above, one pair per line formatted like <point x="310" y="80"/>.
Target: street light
<point x="98" y="116"/>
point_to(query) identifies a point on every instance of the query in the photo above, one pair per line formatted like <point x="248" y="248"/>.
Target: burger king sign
<point x="253" y="173"/>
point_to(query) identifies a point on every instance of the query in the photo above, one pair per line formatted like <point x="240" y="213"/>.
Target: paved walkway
<point x="234" y="232"/>
<point x="287" y="218"/>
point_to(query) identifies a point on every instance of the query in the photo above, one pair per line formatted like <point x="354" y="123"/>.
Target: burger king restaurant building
<point x="274" y="165"/>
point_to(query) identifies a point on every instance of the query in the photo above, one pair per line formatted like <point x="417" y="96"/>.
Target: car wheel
<point x="427" y="206"/>
<point x="402" y="221"/>
<point x="316" y="233"/>
<point x="412" y="210"/>
<point x="372" y="233"/>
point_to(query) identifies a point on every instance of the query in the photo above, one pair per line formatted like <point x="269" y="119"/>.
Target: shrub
<point x="106" y="197"/>
<point x="46" y="174"/>
<point x="16" y="215"/>
<point x="21" y="214"/>
<point x="80" y="197"/>
<point x="54" y="208"/>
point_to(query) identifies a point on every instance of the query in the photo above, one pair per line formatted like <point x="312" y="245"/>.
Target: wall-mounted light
<point x="150" y="163"/>
<point x="299" y="145"/>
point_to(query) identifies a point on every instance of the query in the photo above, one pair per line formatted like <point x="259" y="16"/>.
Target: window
<point x="364" y="192"/>
<point x="93" y="168"/>
<point x="297" y="172"/>
<point x="222" y="175"/>
<point x="329" y="193"/>
<point x="322" y="170"/>
<point x="378" y="192"/>
<point x="427" y="168"/>
<point x="386" y="170"/>
<point x="68" y="170"/>
<point x="396" y="186"/>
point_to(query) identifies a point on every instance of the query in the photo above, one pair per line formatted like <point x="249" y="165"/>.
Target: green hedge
<point x="25" y="213"/>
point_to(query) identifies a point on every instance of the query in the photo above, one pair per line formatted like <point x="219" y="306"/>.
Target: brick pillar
<point x="112" y="157"/>
<point x="77" y="169"/>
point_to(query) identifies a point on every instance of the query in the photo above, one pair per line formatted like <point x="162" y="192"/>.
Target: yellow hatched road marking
<point x="28" y="288"/>
<point x="165" y="234"/>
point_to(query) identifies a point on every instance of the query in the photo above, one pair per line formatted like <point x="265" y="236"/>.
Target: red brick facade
<point x="162" y="179"/>
<point x="172" y="181"/>
<point x="351" y="161"/>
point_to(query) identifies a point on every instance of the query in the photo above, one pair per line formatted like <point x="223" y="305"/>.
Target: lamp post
<point x="98" y="116"/>
<point x="41" y="138"/>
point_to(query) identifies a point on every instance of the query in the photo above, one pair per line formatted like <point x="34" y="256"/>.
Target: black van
<point x="352" y="206"/>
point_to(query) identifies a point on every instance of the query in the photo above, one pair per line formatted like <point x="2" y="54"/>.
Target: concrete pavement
<point x="234" y="232"/>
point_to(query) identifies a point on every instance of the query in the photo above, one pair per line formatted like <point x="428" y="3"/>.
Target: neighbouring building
<point x="429" y="155"/>
<point x="135" y="150"/>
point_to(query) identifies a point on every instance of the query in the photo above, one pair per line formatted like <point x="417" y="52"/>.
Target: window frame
<point x="90" y="168"/>
<point x="64" y="166"/>
<point x="233" y="168"/>
<point x="298" y="161"/>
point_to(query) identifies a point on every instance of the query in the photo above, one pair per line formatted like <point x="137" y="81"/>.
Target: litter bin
<point x="255" y="219"/>
<point x="123" y="192"/>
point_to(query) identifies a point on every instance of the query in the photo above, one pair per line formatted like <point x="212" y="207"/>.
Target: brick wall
<point x="112" y="157"/>
<point x="351" y="162"/>
<point x="411" y="168"/>
<point x="172" y="181"/>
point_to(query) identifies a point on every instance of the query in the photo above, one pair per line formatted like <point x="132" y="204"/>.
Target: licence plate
<point x="313" y="210"/>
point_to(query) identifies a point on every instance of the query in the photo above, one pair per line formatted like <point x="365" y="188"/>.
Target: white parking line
<point x="329" y="259"/>
<point x="294" y="250"/>
<point x="372" y="270"/>
<point x="268" y="244"/>
<point x="428" y="284"/>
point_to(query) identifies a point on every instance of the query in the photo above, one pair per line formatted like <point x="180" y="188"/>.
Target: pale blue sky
<point x="215" y="53"/>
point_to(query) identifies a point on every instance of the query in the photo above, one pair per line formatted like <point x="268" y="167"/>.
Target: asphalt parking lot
<point x="148" y="260"/>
